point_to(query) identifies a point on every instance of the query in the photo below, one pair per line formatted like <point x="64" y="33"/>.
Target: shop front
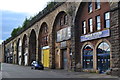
<point x="103" y="57"/>
<point x="62" y="51"/>
<point x="96" y="51"/>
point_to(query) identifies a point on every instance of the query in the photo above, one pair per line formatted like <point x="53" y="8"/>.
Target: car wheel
<point x="42" y="69"/>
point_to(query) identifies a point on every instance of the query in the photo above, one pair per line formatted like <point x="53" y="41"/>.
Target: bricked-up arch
<point x="32" y="47"/>
<point x="61" y="21"/>
<point x="83" y="15"/>
<point x="42" y="38"/>
<point x="17" y="54"/>
<point x="19" y="51"/>
<point x="24" y="48"/>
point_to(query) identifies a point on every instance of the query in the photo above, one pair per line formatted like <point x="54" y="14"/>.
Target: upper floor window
<point x="98" y="23"/>
<point x="90" y="24"/>
<point x="65" y="19"/>
<point x="45" y="29"/>
<point x="97" y="4"/>
<point x="84" y="27"/>
<point x="107" y="20"/>
<point x="44" y="36"/>
<point x="89" y="7"/>
<point x="61" y="21"/>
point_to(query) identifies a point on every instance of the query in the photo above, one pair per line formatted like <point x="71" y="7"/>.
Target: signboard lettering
<point x="95" y="35"/>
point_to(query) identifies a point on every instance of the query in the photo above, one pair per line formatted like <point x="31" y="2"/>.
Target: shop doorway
<point x="64" y="59"/>
<point x="103" y="57"/>
<point x="88" y="57"/>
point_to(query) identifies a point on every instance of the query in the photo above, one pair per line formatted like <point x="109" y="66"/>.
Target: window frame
<point x="97" y="22"/>
<point x="65" y="19"/>
<point x="90" y="7"/>
<point x="90" y="25"/>
<point x="106" y="20"/>
<point x="97" y="3"/>
<point x="84" y="27"/>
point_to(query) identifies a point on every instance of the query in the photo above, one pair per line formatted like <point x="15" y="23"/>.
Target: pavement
<point x="15" y="71"/>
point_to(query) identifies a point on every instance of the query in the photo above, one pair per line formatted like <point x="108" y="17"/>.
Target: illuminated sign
<point x="95" y="35"/>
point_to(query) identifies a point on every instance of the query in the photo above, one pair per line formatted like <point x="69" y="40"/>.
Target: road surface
<point x="16" y="71"/>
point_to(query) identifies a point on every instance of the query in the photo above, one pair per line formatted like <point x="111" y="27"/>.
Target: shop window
<point x="103" y="57"/>
<point x="90" y="25"/>
<point x="89" y="7"/>
<point x="103" y="48"/>
<point x="98" y="23"/>
<point x="87" y="57"/>
<point x="84" y="27"/>
<point x="107" y="20"/>
<point x="97" y="4"/>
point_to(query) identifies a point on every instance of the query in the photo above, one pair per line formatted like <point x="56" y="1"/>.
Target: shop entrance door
<point x="64" y="53"/>
<point x="103" y="62"/>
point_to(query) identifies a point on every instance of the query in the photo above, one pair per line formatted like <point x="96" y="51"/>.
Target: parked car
<point x="37" y="65"/>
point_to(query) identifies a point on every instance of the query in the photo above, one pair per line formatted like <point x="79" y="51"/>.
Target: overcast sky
<point x="25" y="6"/>
<point x="14" y="12"/>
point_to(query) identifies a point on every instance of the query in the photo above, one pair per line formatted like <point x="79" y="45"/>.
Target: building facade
<point x="71" y="36"/>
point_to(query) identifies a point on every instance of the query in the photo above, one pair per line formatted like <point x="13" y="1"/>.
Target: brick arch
<point x="19" y="51"/>
<point x="32" y="47"/>
<point x="55" y="18"/>
<point x="54" y="29"/>
<point x="24" y="46"/>
<point x="40" y="27"/>
<point x="82" y="10"/>
<point x="80" y="16"/>
<point x="17" y="54"/>
<point x="40" y="37"/>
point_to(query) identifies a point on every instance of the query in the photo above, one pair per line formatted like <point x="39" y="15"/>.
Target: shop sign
<point x="64" y="34"/>
<point x="96" y="35"/>
<point x="63" y="44"/>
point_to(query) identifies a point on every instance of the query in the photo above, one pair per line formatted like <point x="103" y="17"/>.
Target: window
<point x="98" y="23"/>
<point x="45" y="29"/>
<point x="65" y="19"/>
<point x="90" y="24"/>
<point x="97" y="4"/>
<point x="88" y="57"/>
<point x="44" y="40"/>
<point x="89" y="7"/>
<point x="61" y="21"/>
<point x="84" y="27"/>
<point x="107" y="20"/>
<point x="103" y="48"/>
<point x="103" y="56"/>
